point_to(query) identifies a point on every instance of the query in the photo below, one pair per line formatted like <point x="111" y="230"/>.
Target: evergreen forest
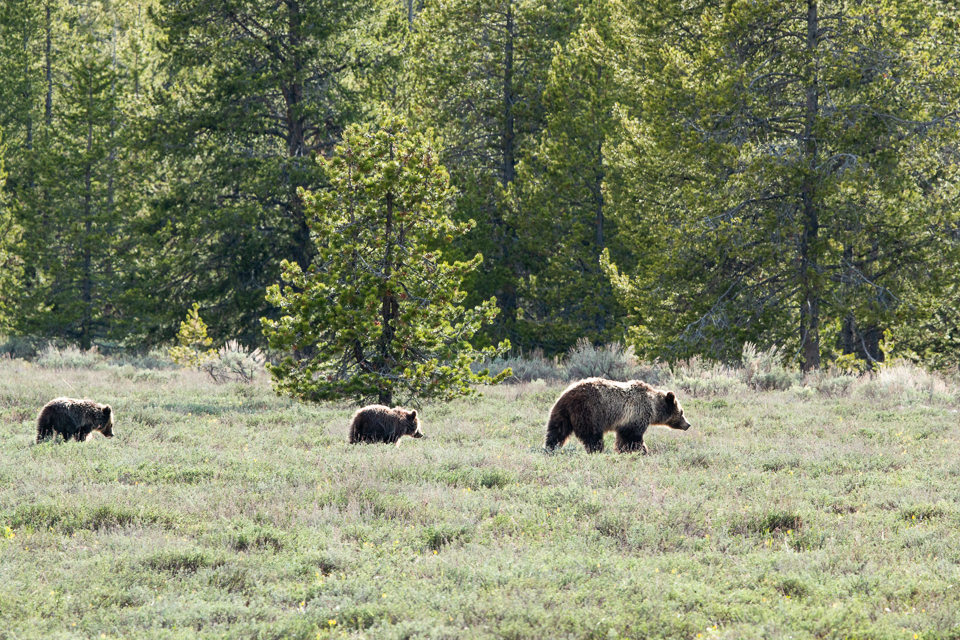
<point x="681" y="176"/>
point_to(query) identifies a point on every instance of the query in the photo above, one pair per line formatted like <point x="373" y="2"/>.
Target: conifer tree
<point x="252" y="92"/>
<point x="558" y="205"/>
<point x="378" y="316"/>
<point x="74" y="181"/>
<point x="10" y="266"/>
<point x="788" y="171"/>
<point x="480" y="68"/>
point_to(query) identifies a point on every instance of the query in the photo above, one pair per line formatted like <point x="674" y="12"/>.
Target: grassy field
<point x="223" y="511"/>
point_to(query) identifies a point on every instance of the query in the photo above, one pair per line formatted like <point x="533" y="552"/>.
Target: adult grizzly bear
<point x="73" y="418"/>
<point x="377" y="423"/>
<point x="591" y="407"/>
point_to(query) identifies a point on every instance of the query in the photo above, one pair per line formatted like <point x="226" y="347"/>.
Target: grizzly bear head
<point x="106" y="424"/>
<point x="411" y="425"/>
<point x="673" y="413"/>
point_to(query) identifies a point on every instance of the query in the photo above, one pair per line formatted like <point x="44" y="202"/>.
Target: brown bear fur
<point x="377" y="423"/>
<point x="73" y="418"/>
<point x="591" y="407"/>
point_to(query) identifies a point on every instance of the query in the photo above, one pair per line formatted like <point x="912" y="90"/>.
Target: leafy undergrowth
<point x="223" y="511"/>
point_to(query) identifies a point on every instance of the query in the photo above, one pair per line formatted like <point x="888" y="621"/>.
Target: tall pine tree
<point x="786" y="169"/>
<point x="73" y="182"/>
<point x="481" y="68"/>
<point x="558" y="204"/>
<point x="252" y="92"/>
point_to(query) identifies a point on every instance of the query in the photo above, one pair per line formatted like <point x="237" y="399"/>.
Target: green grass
<point x="227" y="512"/>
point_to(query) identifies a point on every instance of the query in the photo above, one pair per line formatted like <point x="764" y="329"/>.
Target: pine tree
<point x="558" y="205"/>
<point x="788" y="167"/>
<point x="481" y="68"/>
<point x="253" y="91"/>
<point x="74" y="183"/>
<point x="10" y="267"/>
<point x="378" y="315"/>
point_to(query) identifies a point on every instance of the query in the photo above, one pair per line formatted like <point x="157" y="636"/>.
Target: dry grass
<point x="225" y="511"/>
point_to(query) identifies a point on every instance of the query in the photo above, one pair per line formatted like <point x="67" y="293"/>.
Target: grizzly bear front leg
<point x="630" y="439"/>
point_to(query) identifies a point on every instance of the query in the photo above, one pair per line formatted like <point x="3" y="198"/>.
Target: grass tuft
<point x="437" y="537"/>
<point x="922" y="512"/>
<point x="181" y="561"/>
<point x="775" y="522"/>
<point x="69" y="520"/>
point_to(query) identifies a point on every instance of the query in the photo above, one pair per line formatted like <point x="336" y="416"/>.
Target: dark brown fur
<point x="74" y="419"/>
<point x="591" y="407"/>
<point x="377" y="423"/>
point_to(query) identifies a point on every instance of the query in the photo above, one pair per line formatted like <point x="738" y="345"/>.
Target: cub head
<point x="411" y="425"/>
<point x="672" y="415"/>
<point x="106" y="422"/>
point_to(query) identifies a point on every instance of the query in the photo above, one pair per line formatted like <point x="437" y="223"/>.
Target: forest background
<point x="685" y="177"/>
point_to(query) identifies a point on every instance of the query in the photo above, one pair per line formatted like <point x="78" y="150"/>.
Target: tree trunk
<point x="48" y="107"/>
<point x="809" y="279"/>
<point x="296" y="139"/>
<point x="87" y="276"/>
<point x="509" y="140"/>
<point x="600" y="322"/>
<point x="388" y="305"/>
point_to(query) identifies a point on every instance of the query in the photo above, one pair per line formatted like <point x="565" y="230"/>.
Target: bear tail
<point x="559" y="428"/>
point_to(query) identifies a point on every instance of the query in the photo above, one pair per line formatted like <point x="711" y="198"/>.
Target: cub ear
<point x="106" y="412"/>
<point x="671" y="399"/>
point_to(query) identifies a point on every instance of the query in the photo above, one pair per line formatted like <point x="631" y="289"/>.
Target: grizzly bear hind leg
<point x="558" y="430"/>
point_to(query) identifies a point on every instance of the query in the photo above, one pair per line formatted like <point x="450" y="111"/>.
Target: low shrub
<point x="764" y="371"/>
<point x="70" y="357"/>
<point x="830" y="383"/>
<point x="775" y="522"/>
<point x="526" y="368"/>
<point x="612" y="361"/>
<point x="921" y="512"/>
<point x="234" y="363"/>
<point x="703" y="378"/>
<point x="154" y="360"/>
<point x="435" y="538"/>
<point x="903" y="380"/>
<point x="22" y="347"/>
<point x="181" y="561"/>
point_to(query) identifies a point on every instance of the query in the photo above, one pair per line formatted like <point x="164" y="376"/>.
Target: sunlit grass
<point x="223" y="511"/>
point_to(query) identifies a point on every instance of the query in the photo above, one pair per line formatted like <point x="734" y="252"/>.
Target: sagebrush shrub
<point x="612" y="361"/>
<point x="703" y="378"/>
<point x="764" y="370"/>
<point x="234" y="363"/>
<point x="526" y="368"/>
<point x="70" y="357"/>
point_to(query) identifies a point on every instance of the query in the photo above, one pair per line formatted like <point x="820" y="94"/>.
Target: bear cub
<point x="75" y="419"/>
<point x="377" y="423"/>
<point x="591" y="407"/>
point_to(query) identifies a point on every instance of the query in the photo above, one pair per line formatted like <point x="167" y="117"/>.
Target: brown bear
<point x="73" y="418"/>
<point x="377" y="423"/>
<point x="591" y="407"/>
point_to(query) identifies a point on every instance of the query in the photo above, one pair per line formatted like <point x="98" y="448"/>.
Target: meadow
<point x="827" y="510"/>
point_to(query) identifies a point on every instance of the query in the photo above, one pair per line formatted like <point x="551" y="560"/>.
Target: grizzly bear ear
<point x="671" y="399"/>
<point x="106" y="412"/>
<point x="412" y="415"/>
